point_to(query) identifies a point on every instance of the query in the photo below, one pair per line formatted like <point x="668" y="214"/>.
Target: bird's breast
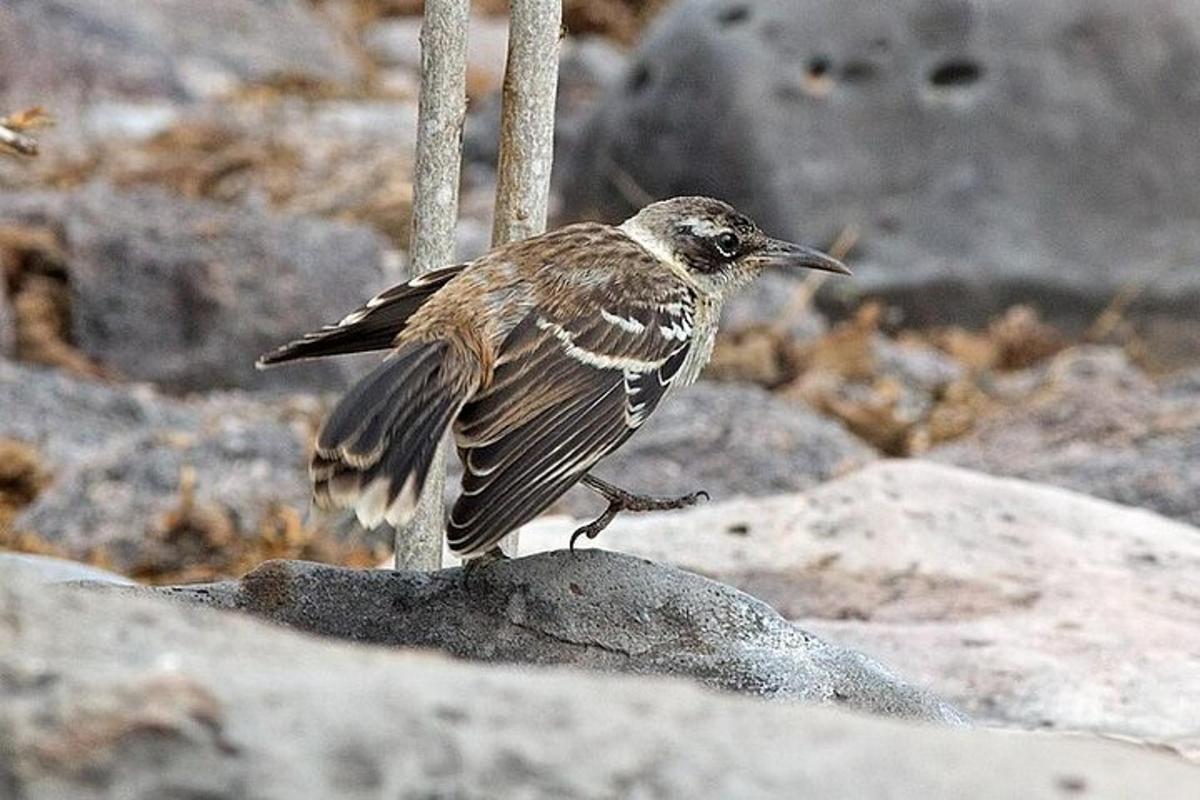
<point x="704" y="336"/>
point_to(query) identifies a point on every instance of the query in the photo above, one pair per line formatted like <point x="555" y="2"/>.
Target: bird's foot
<point x="620" y="500"/>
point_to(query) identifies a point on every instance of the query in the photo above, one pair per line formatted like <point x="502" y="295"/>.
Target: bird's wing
<point x="570" y="385"/>
<point x="374" y="326"/>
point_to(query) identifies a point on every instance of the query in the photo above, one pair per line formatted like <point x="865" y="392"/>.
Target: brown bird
<point x="542" y="357"/>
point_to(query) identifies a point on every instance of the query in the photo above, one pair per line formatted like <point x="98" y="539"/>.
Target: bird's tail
<point x="374" y="326"/>
<point x="374" y="451"/>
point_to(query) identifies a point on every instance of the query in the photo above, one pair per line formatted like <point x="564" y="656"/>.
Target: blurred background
<point x="1014" y="183"/>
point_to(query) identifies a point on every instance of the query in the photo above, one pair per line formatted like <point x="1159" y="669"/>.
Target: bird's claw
<point x="620" y="500"/>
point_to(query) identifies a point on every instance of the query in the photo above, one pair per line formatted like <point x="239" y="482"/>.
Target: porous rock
<point x="8" y="331"/>
<point x="982" y="153"/>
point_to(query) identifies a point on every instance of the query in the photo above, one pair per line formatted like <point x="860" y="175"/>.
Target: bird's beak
<point x="783" y="254"/>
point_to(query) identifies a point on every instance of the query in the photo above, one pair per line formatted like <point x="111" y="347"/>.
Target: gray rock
<point x="1023" y="604"/>
<point x="47" y="569"/>
<point x="773" y="300"/>
<point x="728" y="439"/>
<point x="93" y="48"/>
<point x="118" y="455"/>
<point x="587" y="610"/>
<point x="396" y="42"/>
<point x="917" y="368"/>
<point x="986" y="153"/>
<point x="588" y="66"/>
<point x="120" y="501"/>
<point x="67" y="418"/>
<point x="1093" y="422"/>
<point x="1183" y="385"/>
<point x="187" y="294"/>
<point x="103" y="695"/>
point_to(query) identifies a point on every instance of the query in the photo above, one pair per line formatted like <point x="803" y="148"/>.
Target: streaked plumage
<point x="542" y="357"/>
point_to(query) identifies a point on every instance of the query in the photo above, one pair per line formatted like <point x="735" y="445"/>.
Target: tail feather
<point x="374" y="452"/>
<point x="374" y="326"/>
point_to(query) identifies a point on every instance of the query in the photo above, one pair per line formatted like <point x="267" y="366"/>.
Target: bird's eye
<point x="727" y="243"/>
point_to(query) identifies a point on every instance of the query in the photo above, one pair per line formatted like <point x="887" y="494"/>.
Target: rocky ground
<point x="962" y="484"/>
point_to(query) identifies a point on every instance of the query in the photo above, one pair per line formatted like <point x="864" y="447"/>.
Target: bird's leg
<point x="620" y="500"/>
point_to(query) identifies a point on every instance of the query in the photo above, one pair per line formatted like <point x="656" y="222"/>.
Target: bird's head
<point x="715" y="246"/>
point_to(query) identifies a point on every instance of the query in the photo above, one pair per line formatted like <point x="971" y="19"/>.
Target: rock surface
<point x="396" y="42"/>
<point x="109" y="696"/>
<point x="588" y="66"/>
<point x="812" y="115"/>
<point x="48" y="569"/>
<point x="179" y="51"/>
<point x="187" y="294"/>
<point x="1094" y="423"/>
<point x="596" y="610"/>
<point x="339" y="158"/>
<point x="1024" y="604"/>
<point x="117" y="457"/>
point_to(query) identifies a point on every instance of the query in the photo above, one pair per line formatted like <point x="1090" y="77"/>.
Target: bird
<point x="541" y="357"/>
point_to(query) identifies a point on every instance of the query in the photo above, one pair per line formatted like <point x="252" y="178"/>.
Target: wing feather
<point x="567" y="391"/>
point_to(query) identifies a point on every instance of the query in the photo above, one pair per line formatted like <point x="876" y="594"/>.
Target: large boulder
<point x="1091" y="421"/>
<point x="984" y="152"/>
<point x="187" y="294"/>
<point x="103" y="695"/>
<point x="179" y="51"/>
<point x="1026" y="605"/>
<point x="590" y="609"/>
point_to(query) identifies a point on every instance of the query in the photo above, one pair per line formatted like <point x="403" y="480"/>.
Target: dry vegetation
<point x="34" y="275"/>
<point x="22" y="477"/>
<point x="194" y="541"/>
<point x="841" y="374"/>
<point x="198" y="541"/>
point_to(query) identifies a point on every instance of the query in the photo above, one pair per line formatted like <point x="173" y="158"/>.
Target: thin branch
<point x="527" y="120"/>
<point x="442" y="108"/>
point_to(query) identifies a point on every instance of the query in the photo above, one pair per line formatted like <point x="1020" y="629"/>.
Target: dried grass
<point x="194" y="541"/>
<point x="23" y="476"/>
<point x="839" y="374"/>
<point x="33" y="267"/>
<point x="224" y="162"/>
<point x="199" y="541"/>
